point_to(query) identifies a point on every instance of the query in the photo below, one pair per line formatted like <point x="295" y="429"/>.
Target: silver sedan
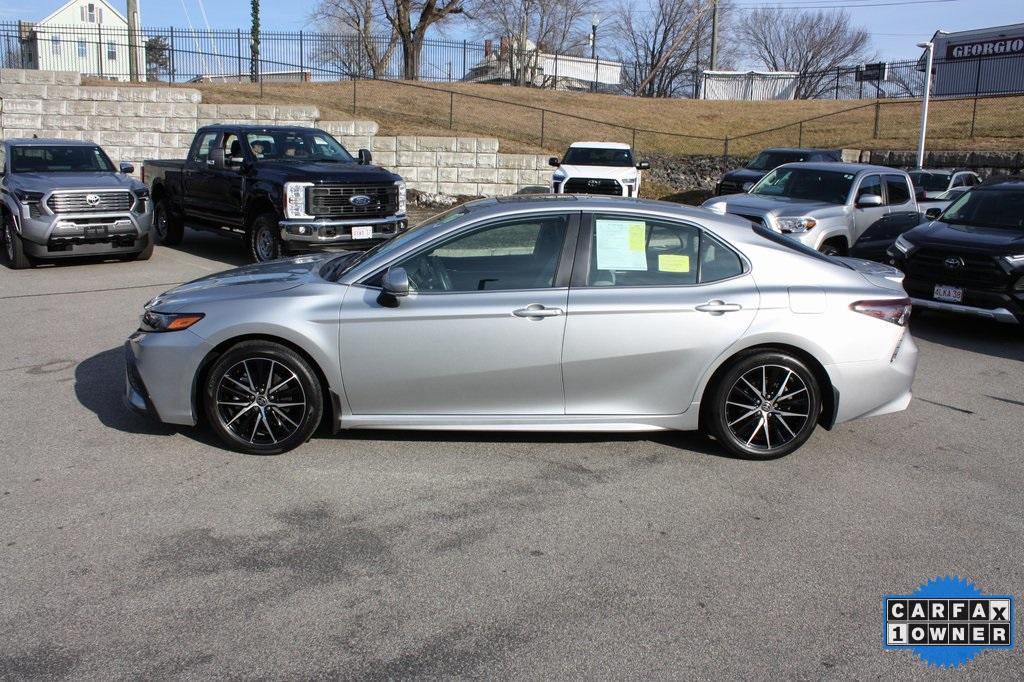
<point x="535" y="314"/>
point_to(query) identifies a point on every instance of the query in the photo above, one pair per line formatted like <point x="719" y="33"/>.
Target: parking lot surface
<point x="134" y="550"/>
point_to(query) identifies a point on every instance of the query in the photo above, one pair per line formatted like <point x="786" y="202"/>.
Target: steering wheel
<point x="441" y="276"/>
<point x="428" y="273"/>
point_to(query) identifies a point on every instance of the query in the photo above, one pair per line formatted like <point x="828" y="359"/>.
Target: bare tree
<point x="817" y="45"/>
<point x="402" y="14"/>
<point x="365" y="42"/>
<point x="661" y="43"/>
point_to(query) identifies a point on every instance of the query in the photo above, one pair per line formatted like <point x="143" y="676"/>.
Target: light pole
<point x="924" y="101"/>
<point x="595" y="21"/>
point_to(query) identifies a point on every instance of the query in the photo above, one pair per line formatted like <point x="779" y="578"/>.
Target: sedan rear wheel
<point x="765" y="406"/>
<point x="263" y="398"/>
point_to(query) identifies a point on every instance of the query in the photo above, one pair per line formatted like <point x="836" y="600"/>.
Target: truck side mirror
<point x="365" y="157"/>
<point x="127" y="168"/>
<point x="644" y="165"/>
<point x="869" y="201"/>
<point x="932" y="213"/>
<point x="216" y="159"/>
<point x="553" y="162"/>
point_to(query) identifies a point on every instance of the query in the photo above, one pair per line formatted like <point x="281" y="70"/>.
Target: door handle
<point x="718" y="307"/>
<point x="536" y="310"/>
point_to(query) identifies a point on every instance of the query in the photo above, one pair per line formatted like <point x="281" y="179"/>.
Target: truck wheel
<point x="13" y="249"/>
<point x="146" y="253"/>
<point x="167" y="229"/>
<point x="264" y="239"/>
<point x="833" y="247"/>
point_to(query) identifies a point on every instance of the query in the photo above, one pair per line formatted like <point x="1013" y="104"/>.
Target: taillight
<point x="895" y="310"/>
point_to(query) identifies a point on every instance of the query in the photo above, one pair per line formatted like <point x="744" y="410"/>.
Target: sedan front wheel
<point x="262" y="398"/>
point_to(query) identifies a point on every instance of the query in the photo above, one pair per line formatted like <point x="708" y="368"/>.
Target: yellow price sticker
<point x="670" y="263"/>
<point x="637" y="237"/>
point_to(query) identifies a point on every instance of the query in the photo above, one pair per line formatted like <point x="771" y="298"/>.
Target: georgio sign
<point x="985" y="48"/>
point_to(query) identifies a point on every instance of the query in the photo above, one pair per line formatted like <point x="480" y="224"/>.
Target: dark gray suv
<point x="65" y="198"/>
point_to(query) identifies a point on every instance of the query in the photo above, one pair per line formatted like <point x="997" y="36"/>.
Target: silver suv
<point x="826" y="206"/>
<point x="64" y="198"/>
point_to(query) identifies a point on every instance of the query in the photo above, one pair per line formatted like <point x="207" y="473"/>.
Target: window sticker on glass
<point x="672" y="263"/>
<point x="621" y="244"/>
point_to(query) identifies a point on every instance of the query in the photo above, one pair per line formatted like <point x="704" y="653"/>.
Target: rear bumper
<point x="868" y="389"/>
<point x="314" y="233"/>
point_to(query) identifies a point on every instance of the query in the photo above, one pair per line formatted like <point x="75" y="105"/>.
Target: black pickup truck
<point x="284" y="189"/>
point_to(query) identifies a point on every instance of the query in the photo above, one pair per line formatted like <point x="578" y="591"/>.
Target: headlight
<point x="746" y="186"/>
<point x="903" y="245"/>
<point x="28" y="197"/>
<point x="402" y="200"/>
<point x="1017" y="259"/>
<point x="295" y="199"/>
<point x="168" y="322"/>
<point x="630" y="181"/>
<point x="794" y="225"/>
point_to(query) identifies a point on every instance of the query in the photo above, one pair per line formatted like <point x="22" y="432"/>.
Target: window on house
<point x="83" y="49"/>
<point x="111" y="51"/>
<point x="55" y="44"/>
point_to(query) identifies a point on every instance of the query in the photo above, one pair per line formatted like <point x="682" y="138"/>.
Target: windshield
<point x="770" y="160"/>
<point x="387" y="247"/>
<point x="59" y="159"/>
<point x="951" y="194"/>
<point x="297" y="145"/>
<point x="988" y="208"/>
<point x="830" y="187"/>
<point x="589" y="156"/>
<point x="929" y="181"/>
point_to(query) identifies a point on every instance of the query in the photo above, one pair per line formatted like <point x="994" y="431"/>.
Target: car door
<point x="198" y="197"/>
<point x="224" y="185"/>
<point x="653" y="302"/>
<point x="865" y="216"/>
<point x="480" y="332"/>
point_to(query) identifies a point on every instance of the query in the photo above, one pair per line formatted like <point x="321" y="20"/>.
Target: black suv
<point x="969" y="260"/>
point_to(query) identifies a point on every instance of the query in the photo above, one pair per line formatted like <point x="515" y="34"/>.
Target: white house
<point x="558" y="71"/>
<point x="88" y="36"/>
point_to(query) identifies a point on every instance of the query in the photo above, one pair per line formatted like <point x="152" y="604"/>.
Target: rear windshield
<point x="59" y="159"/>
<point x="930" y="182"/>
<point x="988" y="208"/>
<point x="790" y="243"/>
<point x="591" y="156"/>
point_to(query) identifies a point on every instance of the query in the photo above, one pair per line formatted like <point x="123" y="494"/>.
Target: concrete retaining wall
<point x="137" y="123"/>
<point x="983" y="162"/>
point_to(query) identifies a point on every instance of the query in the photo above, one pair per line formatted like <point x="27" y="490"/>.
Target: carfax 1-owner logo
<point x="947" y="622"/>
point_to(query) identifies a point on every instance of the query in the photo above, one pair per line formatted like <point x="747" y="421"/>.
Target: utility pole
<point x="133" y="40"/>
<point x="254" y="44"/>
<point x="714" y="36"/>
<point x="523" y="29"/>
<point x="594" y="23"/>
<point x="924" y="101"/>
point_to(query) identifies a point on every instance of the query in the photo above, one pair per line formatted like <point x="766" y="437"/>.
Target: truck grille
<point x="730" y="187"/>
<point x="968" y="269"/>
<point x="331" y="201"/>
<point x="90" y="202"/>
<point x="592" y="186"/>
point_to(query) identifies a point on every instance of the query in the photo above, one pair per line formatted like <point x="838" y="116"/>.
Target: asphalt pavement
<point x="132" y="550"/>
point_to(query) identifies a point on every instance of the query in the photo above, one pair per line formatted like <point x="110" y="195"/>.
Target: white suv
<point x="597" y="168"/>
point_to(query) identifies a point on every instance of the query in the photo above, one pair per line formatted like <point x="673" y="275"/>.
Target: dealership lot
<point x="129" y="549"/>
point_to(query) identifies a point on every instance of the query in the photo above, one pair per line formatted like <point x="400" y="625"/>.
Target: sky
<point x="895" y="28"/>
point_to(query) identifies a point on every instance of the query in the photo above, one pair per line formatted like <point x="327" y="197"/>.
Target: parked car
<point x="64" y="198"/>
<point x="930" y="183"/>
<point x="826" y="206"/>
<point x="874" y="242"/>
<point x="742" y="179"/>
<point x="540" y="313"/>
<point x="970" y="260"/>
<point x="933" y="208"/>
<point x="284" y="189"/>
<point x="597" y="168"/>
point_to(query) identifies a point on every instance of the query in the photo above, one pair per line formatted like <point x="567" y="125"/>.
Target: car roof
<point x="840" y="167"/>
<point x="255" y="127"/>
<point x="797" y="150"/>
<point x="1003" y="181"/>
<point x="941" y="170"/>
<point x="48" y="141"/>
<point x="600" y="145"/>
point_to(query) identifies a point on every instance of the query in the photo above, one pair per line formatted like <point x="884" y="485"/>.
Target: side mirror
<point x="365" y="157"/>
<point x="216" y="159"/>
<point x="554" y="162"/>
<point x="932" y="213"/>
<point x="396" y="283"/>
<point x="869" y="201"/>
<point x="127" y="168"/>
<point x="644" y="165"/>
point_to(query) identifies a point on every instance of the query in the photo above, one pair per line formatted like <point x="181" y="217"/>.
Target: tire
<point x="740" y="409"/>
<point x="147" y="252"/>
<point x="167" y="229"/>
<point x="264" y="239"/>
<point x="832" y="249"/>
<point x="14" y="250"/>
<point x="279" y="415"/>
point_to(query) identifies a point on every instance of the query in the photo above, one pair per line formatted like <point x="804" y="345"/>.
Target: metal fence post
<point x="451" y="109"/>
<point x="800" y="136"/>
<point x="171" y="61"/>
<point x="464" y="49"/>
<point x="977" y="87"/>
<point x="238" y="47"/>
<point x="634" y="141"/>
<point x="878" y="112"/>
<point x="725" y="150"/>
<point x="99" y="49"/>
<point x="302" y="59"/>
<point x="837" y="82"/>
<point x="354" y="81"/>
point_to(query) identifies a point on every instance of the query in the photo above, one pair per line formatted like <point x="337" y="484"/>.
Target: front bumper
<point x="67" y="235"/>
<point x="161" y="371"/>
<point x="316" y="233"/>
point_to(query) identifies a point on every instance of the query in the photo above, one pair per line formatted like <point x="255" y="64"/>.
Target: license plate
<point x="947" y="293"/>
<point x="94" y="231"/>
<point x="362" y="232"/>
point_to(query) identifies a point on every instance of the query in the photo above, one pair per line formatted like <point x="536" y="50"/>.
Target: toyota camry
<point x="543" y="313"/>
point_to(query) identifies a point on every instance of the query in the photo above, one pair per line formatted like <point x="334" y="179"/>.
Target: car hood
<point x="752" y="204"/>
<point x="990" y="240"/>
<point x="245" y="282"/>
<point x="742" y="175"/>
<point x="600" y="172"/>
<point x="44" y="182"/>
<point x="321" y="172"/>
